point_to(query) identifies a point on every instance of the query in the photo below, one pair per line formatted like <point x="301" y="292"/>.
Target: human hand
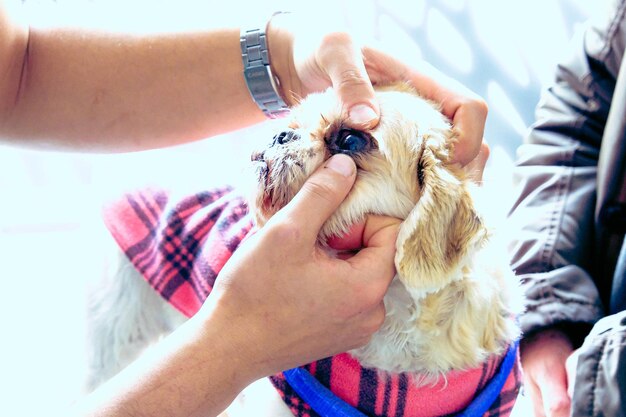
<point x="286" y="302"/>
<point x="547" y="378"/>
<point x="307" y="60"/>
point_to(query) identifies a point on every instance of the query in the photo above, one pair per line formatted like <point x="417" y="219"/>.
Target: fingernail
<point x="362" y="114"/>
<point x="342" y="164"/>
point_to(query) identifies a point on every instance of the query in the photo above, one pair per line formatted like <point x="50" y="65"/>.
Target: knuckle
<point x="379" y="286"/>
<point x="352" y="78"/>
<point x="479" y="106"/>
<point x="374" y="297"/>
<point x="319" y="190"/>
<point x="367" y="296"/>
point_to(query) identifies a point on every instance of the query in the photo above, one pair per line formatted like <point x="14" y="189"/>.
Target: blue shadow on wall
<point x="504" y="51"/>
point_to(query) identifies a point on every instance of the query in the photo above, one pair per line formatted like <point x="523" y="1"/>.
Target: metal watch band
<point x="258" y="74"/>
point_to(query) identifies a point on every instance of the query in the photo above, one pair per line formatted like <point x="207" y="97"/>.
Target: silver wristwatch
<point x="258" y="74"/>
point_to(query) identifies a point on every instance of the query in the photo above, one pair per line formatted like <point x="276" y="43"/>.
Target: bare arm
<point x="196" y="371"/>
<point x="82" y="89"/>
<point x="89" y="89"/>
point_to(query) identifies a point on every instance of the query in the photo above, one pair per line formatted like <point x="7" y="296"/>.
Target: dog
<point x="454" y="301"/>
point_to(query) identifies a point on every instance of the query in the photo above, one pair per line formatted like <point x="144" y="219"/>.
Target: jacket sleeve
<point x="599" y="387"/>
<point x="555" y="175"/>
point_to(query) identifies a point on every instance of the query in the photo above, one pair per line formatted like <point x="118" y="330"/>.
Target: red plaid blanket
<point x="180" y="243"/>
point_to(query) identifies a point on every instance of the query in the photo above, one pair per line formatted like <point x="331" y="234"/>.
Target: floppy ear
<point x="440" y="232"/>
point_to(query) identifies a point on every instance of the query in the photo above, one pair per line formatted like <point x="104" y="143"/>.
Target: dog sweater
<point x="179" y="243"/>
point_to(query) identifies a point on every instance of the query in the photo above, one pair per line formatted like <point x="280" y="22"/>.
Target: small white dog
<point x="454" y="301"/>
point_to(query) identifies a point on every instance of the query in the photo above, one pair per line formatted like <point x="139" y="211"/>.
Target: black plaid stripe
<point x="487" y="369"/>
<point x="179" y="251"/>
<point x="152" y="205"/>
<point x="181" y="248"/>
<point x="142" y="246"/>
<point x="323" y="371"/>
<point x="403" y="384"/>
<point x="368" y="382"/>
<point x="387" y="396"/>
<point x="503" y="405"/>
<point x="189" y="204"/>
<point x="297" y="406"/>
<point x="237" y="209"/>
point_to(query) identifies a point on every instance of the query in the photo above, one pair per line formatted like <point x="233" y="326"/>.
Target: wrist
<point x="280" y="44"/>
<point x="236" y="341"/>
<point x="549" y="339"/>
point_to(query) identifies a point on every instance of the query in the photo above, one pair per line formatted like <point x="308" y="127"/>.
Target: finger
<point x="379" y="231"/>
<point x="320" y="196"/>
<point x="376" y="260"/>
<point x="466" y="110"/>
<point x="476" y="168"/>
<point x="360" y="233"/>
<point x="553" y="386"/>
<point x="468" y="120"/>
<point x="343" y="62"/>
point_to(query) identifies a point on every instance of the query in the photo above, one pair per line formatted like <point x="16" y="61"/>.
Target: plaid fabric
<point x="379" y="394"/>
<point x="180" y="244"/>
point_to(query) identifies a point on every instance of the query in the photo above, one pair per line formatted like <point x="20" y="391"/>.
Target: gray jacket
<point x="571" y="207"/>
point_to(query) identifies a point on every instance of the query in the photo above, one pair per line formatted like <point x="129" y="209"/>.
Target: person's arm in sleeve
<point x="554" y="211"/>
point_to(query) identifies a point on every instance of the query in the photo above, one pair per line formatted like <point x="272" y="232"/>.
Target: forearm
<point x="100" y="91"/>
<point x="197" y="371"/>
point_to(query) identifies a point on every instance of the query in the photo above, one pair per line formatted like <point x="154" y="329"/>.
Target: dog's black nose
<point x="285" y="137"/>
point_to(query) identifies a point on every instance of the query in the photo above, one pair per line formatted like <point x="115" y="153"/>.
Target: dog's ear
<point x="441" y="231"/>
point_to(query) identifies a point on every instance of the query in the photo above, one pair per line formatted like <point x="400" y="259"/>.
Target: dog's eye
<point x="352" y="141"/>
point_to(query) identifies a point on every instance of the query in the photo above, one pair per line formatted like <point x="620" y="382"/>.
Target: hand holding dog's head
<point x="403" y="171"/>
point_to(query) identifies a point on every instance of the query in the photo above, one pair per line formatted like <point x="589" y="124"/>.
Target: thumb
<point x="344" y="65"/>
<point x="320" y="195"/>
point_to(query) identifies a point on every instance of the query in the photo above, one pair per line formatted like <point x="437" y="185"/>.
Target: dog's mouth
<point x="279" y="175"/>
<point x="271" y="174"/>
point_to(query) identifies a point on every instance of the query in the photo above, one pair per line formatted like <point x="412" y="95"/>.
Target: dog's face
<point x="402" y="171"/>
